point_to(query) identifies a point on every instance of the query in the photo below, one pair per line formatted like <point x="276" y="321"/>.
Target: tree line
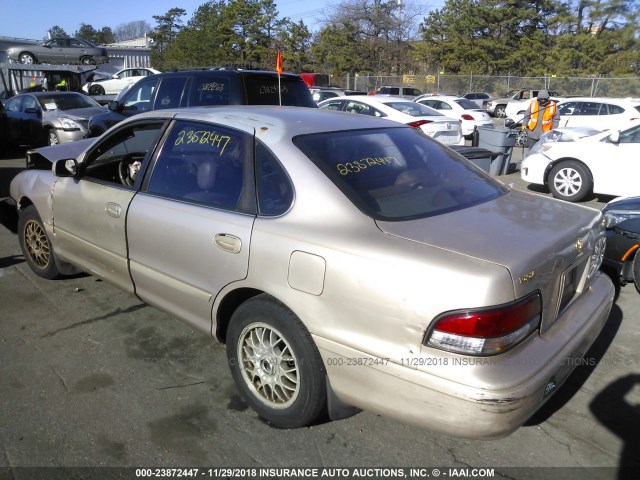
<point x="377" y="37"/>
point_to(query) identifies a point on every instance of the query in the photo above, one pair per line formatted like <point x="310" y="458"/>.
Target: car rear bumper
<point x="446" y="404"/>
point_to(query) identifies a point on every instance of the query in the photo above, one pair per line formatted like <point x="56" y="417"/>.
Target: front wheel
<point x="570" y="180"/>
<point x="87" y="61"/>
<point x="96" y="90"/>
<point x="276" y="364"/>
<point x="52" y="138"/>
<point x="35" y="244"/>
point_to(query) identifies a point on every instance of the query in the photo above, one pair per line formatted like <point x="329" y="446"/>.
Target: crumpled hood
<point x="43" y="157"/>
<point x="83" y="114"/>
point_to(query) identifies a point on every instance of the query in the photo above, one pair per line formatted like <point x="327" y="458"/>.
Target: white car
<point x="467" y="111"/>
<point x="595" y="112"/>
<point x="606" y="163"/>
<point x="446" y="130"/>
<point x="118" y="81"/>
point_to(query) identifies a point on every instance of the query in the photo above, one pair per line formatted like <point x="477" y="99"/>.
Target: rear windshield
<point x="263" y="90"/>
<point x="414" y="109"/>
<point x="64" y="101"/>
<point x="396" y="174"/>
<point x="467" y="104"/>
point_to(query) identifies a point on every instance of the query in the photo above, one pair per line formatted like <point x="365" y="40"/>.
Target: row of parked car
<point x="347" y="261"/>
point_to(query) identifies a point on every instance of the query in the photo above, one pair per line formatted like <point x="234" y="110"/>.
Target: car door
<point x="32" y="118"/>
<point x="90" y="209"/>
<point x="618" y="164"/>
<point x="15" y="119"/>
<point x="54" y="51"/>
<point x="189" y="228"/>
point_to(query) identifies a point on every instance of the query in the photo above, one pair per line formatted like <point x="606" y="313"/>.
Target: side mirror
<point x="114" y="106"/>
<point x="614" y="137"/>
<point x="65" y="168"/>
<point x="115" y="75"/>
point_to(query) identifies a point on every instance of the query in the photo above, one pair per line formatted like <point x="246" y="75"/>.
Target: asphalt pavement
<point x="92" y="377"/>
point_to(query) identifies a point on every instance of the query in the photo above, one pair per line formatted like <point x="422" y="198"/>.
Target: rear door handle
<point x="228" y="243"/>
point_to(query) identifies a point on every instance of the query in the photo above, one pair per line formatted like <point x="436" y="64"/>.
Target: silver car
<point x="48" y="118"/>
<point x="347" y="262"/>
<point x="61" y="50"/>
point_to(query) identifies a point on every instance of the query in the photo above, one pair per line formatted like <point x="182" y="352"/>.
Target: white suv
<point x="601" y="112"/>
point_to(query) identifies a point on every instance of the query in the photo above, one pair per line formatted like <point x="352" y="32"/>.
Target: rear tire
<point x="275" y="363"/>
<point x="87" y="61"/>
<point x="27" y="58"/>
<point x="35" y="244"/>
<point x="570" y="180"/>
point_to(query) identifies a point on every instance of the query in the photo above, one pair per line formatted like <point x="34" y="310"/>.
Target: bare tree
<point x="132" y="30"/>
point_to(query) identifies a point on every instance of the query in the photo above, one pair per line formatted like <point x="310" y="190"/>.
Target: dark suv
<point x="218" y="86"/>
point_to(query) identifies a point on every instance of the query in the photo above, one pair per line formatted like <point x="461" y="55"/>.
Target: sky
<point x="15" y="21"/>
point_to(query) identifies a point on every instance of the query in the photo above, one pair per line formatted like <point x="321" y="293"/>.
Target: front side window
<point x="630" y="136"/>
<point x="362" y="109"/>
<point x="170" y="92"/>
<point x="395" y="174"/>
<point x="138" y="98"/>
<point x="118" y="158"/>
<point x="333" y="105"/>
<point x="203" y="163"/>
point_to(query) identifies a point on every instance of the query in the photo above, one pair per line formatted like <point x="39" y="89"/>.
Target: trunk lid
<point x="545" y="244"/>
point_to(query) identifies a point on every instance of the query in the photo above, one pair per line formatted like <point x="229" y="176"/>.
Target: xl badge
<point x="579" y="245"/>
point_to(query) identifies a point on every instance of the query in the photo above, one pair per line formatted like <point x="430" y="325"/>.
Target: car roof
<point x="274" y="121"/>
<point x="633" y="101"/>
<point x="224" y="72"/>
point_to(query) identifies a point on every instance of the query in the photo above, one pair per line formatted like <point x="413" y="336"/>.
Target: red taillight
<point x="486" y="331"/>
<point x="419" y="123"/>
<point x="466" y="116"/>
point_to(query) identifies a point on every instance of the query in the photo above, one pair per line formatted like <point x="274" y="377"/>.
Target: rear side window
<point x="275" y="192"/>
<point x="608" y="109"/>
<point x="267" y="90"/>
<point x="210" y="90"/>
<point x="398" y="174"/>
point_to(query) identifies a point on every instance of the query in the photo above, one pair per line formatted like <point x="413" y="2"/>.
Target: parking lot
<point x="92" y="377"/>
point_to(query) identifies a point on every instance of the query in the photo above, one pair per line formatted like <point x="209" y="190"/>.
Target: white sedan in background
<point x="116" y="82"/>
<point x="606" y="163"/>
<point x="467" y="111"/>
<point x="445" y="129"/>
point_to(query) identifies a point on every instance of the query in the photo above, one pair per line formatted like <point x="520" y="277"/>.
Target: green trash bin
<point x="499" y="140"/>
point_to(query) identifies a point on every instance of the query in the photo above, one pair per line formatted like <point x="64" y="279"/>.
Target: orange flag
<point x="279" y="63"/>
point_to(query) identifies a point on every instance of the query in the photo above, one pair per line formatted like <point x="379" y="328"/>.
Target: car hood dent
<point x="38" y="156"/>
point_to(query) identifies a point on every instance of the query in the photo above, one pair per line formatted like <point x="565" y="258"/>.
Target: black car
<point x="621" y="258"/>
<point x="217" y="86"/>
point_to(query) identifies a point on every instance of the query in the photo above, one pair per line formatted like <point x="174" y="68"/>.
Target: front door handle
<point x="113" y="209"/>
<point x="228" y="243"/>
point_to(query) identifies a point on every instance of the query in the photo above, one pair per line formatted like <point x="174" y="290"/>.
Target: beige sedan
<point x="346" y="263"/>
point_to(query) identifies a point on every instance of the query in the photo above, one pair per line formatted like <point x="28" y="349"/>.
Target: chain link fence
<point x="498" y="85"/>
